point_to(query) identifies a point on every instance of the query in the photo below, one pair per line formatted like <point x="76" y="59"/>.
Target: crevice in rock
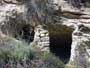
<point x="60" y="41"/>
<point x="24" y="32"/>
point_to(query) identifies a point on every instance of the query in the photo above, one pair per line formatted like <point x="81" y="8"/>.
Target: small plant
<point x="20" y="51"/>
<point x="23" y="52"/>
<point x="51" y="61"/>
<point x="5" y="56"/>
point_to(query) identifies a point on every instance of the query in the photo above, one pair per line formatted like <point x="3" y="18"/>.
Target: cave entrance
<point x="24" y="32"/>
<point x="27" y="33"/>
<point x="60" y="41"/>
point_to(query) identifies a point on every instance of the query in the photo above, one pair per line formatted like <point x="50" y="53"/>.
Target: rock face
<point x="81" y="34"/>
<point x="72" y="13"/>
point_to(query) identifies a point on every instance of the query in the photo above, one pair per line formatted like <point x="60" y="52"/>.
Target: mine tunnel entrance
<point x="60" y="41"/>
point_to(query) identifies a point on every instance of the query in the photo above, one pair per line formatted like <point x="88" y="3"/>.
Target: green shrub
<point x="20" y="51"/>
<point x="5" y="56"/>
<point x="51" y="61"/>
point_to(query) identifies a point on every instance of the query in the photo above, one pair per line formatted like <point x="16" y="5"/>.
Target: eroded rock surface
<point x="81" y="33"/>
<point x="72" y="13"/>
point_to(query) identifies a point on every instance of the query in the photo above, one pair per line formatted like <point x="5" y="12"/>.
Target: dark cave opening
<point x="24" y="32"/>
<point x="61" y="47"/>
<point x="60" y="41"/>
<point x="19" y="30"/>
<point x="27" y="33"/>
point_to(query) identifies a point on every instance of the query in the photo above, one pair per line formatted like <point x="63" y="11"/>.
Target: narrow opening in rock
<point x="60" y="41"/>
<point x="27" y="33"/>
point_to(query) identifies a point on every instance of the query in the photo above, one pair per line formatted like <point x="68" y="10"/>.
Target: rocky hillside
<point x="61" y="27"/>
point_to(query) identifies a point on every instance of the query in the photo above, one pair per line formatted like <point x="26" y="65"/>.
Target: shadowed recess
<point x="19" y="31"/>
<point x="60" y="41"/>
<point x="27" y="33"/>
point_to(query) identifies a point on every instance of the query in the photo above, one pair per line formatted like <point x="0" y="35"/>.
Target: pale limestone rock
<point x="41" y="38"/>
<point x="80" y="34"/>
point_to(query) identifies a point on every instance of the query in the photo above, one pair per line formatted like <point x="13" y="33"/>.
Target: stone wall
<point x="41" y="38"/>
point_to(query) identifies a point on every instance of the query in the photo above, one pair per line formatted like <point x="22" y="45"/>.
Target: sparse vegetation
<point x="51" y="61"/>
<point x="20" y="53"/>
